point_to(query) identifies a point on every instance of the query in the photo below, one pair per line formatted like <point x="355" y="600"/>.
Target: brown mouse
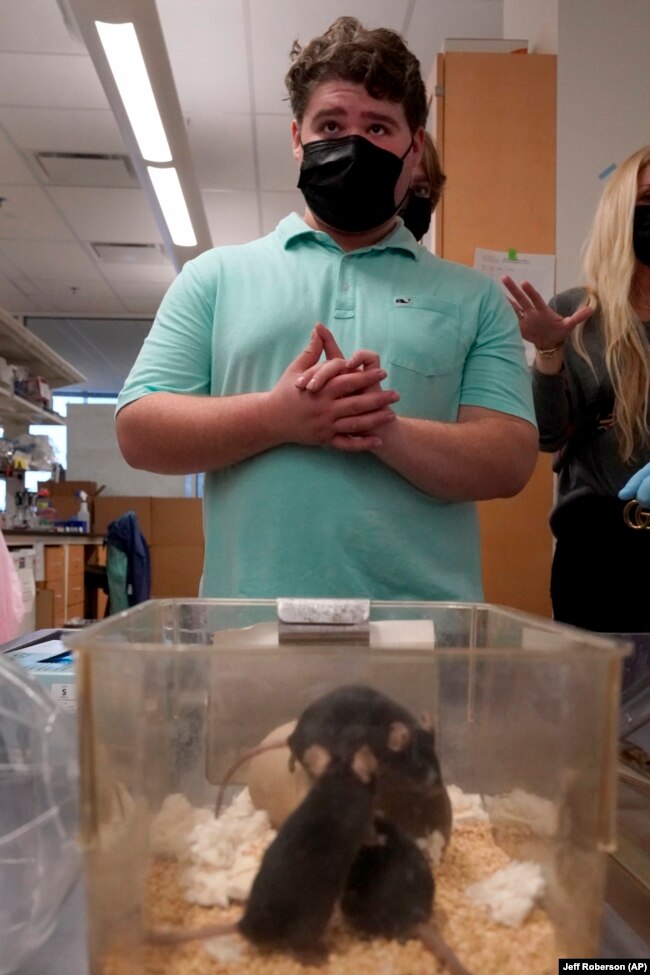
<point x="410" y="787"/>
<point x="390" y="891"/>
<point x="305" y="869"/>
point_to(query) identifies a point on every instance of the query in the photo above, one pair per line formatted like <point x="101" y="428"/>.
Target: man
<point x="320" y="482"/>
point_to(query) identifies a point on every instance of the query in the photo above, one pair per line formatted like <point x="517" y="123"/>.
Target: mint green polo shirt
<point x="313" y="521"/>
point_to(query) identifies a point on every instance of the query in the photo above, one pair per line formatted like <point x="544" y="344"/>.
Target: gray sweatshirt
<point x="574" y="415"/>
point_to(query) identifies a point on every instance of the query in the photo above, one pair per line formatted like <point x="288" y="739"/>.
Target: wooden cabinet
<point x="64" y="577"/>
<point x="496" y="131"/>
<point x="75" y="582"/>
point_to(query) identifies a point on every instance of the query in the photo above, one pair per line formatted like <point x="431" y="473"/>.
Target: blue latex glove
<point x="637" y="487"/>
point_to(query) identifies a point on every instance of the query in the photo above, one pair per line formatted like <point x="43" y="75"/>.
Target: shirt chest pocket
<point x="424" y="335"/>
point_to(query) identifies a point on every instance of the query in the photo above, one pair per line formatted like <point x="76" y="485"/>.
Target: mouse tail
<point x="246" y="757"/>
<point x="176" y="936"/>
<point x="435" y="943"/>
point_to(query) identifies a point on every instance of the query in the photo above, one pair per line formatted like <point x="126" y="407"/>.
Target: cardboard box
<point x="108" y="508"/>
<point x="67" y="506"/>
<point x="176" y="521"/>
<point x="65" y="499"/>
<point x="175" y="571"/>
<point x="71" y="487"/>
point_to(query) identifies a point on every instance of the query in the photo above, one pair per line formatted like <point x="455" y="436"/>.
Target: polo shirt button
<point x="345" y="286"/>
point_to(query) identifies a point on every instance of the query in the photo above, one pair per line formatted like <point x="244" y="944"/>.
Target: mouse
<point x="305" y="869"/>
<point x="418" y="804"/>
<point x="410" y="785"/>
<point x="390" y="893"/>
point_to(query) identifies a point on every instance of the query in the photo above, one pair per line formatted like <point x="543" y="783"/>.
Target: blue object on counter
<point x="50" y="662"/>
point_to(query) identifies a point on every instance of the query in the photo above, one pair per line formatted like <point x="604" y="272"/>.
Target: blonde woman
<point x="591" y="382"/>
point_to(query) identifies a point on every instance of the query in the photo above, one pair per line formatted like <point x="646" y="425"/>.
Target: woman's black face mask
<point x="349" y="183"/>
<point x="641" y="233"/>
<point x="417" y="214"/>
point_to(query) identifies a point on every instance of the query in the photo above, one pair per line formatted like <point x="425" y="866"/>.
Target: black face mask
<point x="349" y="183"/>
<point x="641" y="233"/>
<point x="417" y="214"/>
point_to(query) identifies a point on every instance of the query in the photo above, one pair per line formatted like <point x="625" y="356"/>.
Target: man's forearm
<point x="484" y="455"/>
<point x="171" y="433"/>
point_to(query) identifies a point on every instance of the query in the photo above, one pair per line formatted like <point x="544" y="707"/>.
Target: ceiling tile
<point x="207" y="48"/>
<point x="233" y="217"/>
<point x="9" y="293"/>
<point x="141" y="306"/>
<point x="27" y="213"/>
<point x="145" y="290"/>
<point x="46" y="81"/>
<point x="122" y="275"/>
<point x="278" y="167"/>
<point x="90" y="306"/>
<point x="77" y="292"/>
<point x="24" y="305"/>
<point x="36" y="26"/>
<point x="276" y="206"/>
<point x="222" y="150"/>
<point x="12" y="167"/>
<point x="63" y="130"/>
<point x="14" y="276"/>
<point x="38" y="258"/>
<point x="107" y="215"/>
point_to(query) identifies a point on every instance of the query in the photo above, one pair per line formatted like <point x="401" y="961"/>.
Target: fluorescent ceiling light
<point x="167" y="188"/>
<point x="120" y="43"/>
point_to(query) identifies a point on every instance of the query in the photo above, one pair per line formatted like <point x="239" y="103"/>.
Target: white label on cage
<point x="418" y="634"/>
<point x="547" y="637"/>
<point x="65" y="696"/>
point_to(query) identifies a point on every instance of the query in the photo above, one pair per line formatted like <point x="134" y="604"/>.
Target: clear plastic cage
<point x="171" y="692"/>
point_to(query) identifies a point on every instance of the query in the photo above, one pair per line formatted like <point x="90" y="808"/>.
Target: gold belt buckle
<point x="635" y="516"/>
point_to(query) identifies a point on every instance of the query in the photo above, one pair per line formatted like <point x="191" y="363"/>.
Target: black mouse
<point x="337" y="724"/>
<point x="354" y="715"/>
<point x="410" y="789"/>
<point x="390" y="887"/>
<point x="390" y="893"/>
<point x="304" y="871"/>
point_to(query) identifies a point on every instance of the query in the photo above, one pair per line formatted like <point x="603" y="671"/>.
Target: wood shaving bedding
<point x="483" y="945"/>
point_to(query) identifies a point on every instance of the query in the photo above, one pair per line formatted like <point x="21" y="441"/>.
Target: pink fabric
<point x="11" y="597"/>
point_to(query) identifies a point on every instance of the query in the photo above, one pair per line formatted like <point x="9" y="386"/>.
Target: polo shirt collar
<point x="293" y="227"/>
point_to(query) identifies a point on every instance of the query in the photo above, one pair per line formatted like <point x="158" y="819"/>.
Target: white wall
<point x="94" y="455"/>
<point x="535" y="20"/>
<point x="603" y="100"/>
<point x="603" y="109"/>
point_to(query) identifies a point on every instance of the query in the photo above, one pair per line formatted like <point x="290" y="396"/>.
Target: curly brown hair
<point x="377" y="59"/>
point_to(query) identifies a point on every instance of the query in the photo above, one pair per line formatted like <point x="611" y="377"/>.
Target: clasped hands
<point x="336" y="403"/>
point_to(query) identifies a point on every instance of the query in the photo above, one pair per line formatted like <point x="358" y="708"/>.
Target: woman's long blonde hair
<point x="608" y="264"/>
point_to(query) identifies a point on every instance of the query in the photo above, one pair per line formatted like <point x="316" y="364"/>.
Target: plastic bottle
<point x="83" y="515"/>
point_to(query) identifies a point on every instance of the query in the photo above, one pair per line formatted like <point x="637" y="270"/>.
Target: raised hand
<point x="538" y="322"/>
